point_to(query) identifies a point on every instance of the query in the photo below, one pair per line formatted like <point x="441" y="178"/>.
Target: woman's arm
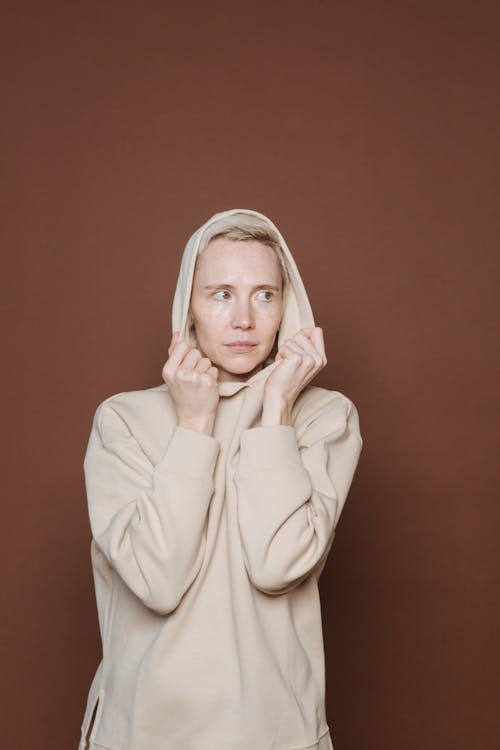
<point x="290" y="500"/>
<point x="149" y="521"/>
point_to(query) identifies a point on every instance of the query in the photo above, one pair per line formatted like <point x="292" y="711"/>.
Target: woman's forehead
<point x="237" y="257"/>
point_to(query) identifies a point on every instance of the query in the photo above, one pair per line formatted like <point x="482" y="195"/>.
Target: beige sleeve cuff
<point x="267" y="447"/>
<point x="191" y="454"/>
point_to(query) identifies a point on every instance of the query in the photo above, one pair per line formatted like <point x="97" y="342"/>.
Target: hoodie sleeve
<point x="290" y="499"/>
<point x="149" y="521"/>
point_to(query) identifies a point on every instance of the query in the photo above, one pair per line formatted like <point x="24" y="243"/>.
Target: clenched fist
<point x="297" y="362"/>
<point x="192" y="382"/>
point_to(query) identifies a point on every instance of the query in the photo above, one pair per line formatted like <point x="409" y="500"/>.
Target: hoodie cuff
<point x="191" y="454"/>
<point x="267" y="447"/>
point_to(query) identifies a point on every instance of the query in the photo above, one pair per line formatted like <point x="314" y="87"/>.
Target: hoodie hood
<point x="297" y="312"/>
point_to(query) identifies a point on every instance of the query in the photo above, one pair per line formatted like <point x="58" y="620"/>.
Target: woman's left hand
<point x="299" y="361"/>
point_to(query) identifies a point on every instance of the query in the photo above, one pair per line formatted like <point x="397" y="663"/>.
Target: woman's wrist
<point x="205" y="425"/>
<point x="275" y="411"/>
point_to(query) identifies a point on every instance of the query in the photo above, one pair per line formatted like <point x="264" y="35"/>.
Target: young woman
<point x="213" y="500"/>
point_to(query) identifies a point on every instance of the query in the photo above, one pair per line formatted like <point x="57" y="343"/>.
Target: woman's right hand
<point x="192" y="382"/>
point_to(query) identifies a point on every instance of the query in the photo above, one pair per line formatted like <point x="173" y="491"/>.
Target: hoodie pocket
<point x="89" y="729"/>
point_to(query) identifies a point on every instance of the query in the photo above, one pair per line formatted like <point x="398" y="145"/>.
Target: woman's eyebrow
<point x="231" y="286"/>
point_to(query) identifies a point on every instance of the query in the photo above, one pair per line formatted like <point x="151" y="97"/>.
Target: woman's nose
<point x="243" y="314"/>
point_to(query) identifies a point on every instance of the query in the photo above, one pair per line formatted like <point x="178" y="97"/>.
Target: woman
<point x="213" y="500"/>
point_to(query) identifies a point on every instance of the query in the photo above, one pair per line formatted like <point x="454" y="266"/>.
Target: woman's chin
<point x="240" y="365"/>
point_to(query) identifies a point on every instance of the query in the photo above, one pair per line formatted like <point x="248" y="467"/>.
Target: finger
<point x="203" y="365"/>
<point x="310" y="359"/>
<point x="292" y="351"/>
<point x="177" y="353"/>
<point x="309" y="347"/>
<point x="315" y="334"/>
<point x="290" y="346"/>
<point x="307" y="331"/>
<point x="191" y="359"/>
<point x="275" y="364"/>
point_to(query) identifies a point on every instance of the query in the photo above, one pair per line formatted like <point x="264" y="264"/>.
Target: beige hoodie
<point x="206" y="554"/>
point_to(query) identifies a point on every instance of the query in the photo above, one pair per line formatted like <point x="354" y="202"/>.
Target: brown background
<point x="368" y="132"/>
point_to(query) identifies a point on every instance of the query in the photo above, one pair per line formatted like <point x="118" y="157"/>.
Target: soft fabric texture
<point x="206" y="553"/>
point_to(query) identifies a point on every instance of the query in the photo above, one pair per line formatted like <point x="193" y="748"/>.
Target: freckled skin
<point x="223" y="315"/>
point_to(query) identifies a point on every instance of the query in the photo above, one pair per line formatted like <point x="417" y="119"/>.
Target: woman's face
<point x="236" y="297"/>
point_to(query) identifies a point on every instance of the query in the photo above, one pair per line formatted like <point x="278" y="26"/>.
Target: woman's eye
<point x="269" y="293"/>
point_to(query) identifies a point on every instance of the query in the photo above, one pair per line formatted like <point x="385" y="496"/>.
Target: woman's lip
<point x="241" y="347"/>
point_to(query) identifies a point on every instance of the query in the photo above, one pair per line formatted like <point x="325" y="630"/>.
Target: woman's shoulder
<point x="319" y="411"/>
<point x="315" y="399"/>
<point x="133" y="410"/>
<point x="132" y="399"/>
